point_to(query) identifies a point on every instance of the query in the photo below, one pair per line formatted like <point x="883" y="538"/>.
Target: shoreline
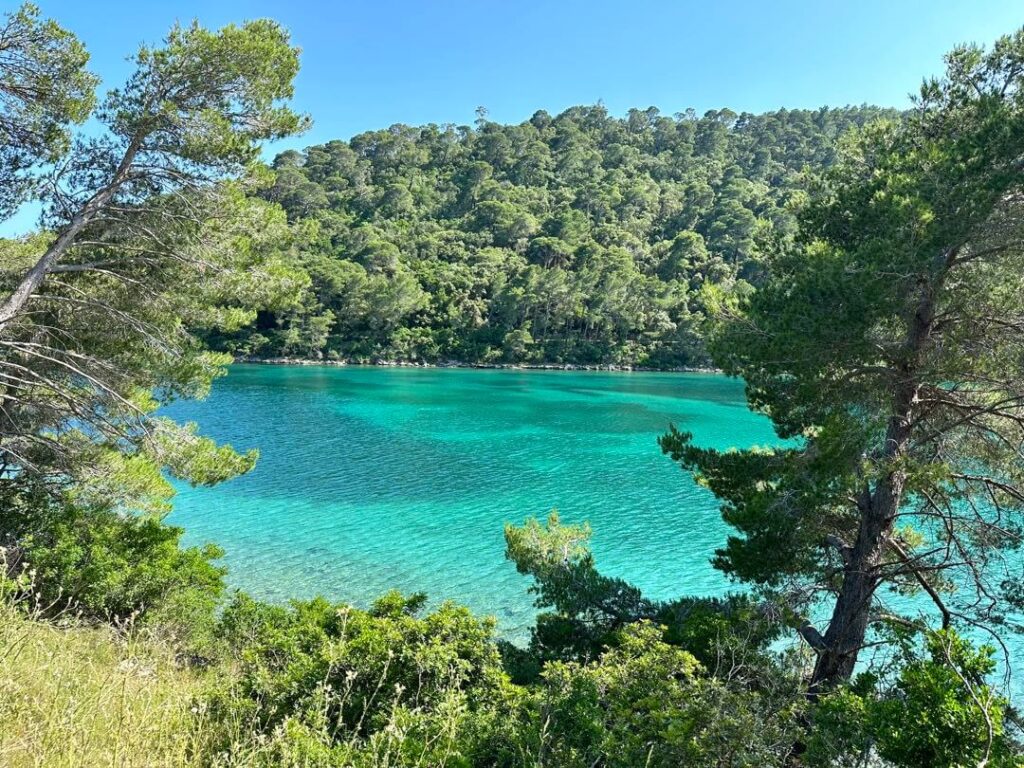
<point x="607" y="368"/>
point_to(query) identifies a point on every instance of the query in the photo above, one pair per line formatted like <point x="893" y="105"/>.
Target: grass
<point x="74" y="696"/>
<point x="89" y="696"/>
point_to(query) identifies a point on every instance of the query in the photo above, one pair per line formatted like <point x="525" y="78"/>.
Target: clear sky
<point x="368" y="64"/>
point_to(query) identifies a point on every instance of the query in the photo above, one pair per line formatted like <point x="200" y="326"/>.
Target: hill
<point x="580" y="238"/>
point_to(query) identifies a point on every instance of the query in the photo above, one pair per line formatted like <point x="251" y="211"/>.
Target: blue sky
<point x="368" y="64"/>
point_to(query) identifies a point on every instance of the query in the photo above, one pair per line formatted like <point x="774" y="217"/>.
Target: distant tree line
<point x="580" y="238"/>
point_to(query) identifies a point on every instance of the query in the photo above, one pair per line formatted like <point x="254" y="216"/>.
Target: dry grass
<point x="76" y="696"/>
<point x="73" y="696"/>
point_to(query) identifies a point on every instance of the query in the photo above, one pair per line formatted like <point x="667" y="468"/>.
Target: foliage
<point x="646" y="703"/>
<point x="589" y="607"/>
<point x="102" y="565"/>
<point x="334" y="683"/>
<point x="150" y="236"/>
<point x="938" y="712"/>
<point x="889" y="345"/>
<point x="729" y="635"/>
<point x="578" y="238"/>
<point x="941" y="712"/>
<point x="45" y="90"/>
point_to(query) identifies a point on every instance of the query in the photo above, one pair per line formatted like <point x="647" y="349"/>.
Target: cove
<point x="380" y="478"/>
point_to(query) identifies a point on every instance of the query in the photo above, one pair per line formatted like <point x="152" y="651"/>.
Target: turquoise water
<point x="372" y="478"/>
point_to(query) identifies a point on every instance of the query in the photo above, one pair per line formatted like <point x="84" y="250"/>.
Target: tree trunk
<point x="848" y="627"/>
<point x="14" y="304"/>
<point x="878" y="507"/>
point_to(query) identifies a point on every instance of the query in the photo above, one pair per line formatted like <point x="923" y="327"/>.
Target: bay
<point x="373" y="479"/>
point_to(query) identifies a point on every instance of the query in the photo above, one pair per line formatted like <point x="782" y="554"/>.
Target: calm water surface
<point x="372" y="478"/>
<point x="379" y="478"/>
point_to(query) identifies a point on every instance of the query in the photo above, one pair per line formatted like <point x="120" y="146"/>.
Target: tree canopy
<point x="44" y="91"/>
<point x="151" y="235"/>
<point x="889" y="343"/>
<point x="576" y="238"/>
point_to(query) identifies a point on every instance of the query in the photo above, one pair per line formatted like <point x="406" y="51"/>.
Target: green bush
<point x="104" y="565"/>
<point x="647" y="703"/>
<point x="939" y="711"/>
<point x="336" y="685"/>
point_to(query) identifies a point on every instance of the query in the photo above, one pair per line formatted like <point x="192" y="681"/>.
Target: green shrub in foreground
<point x="325" y="684"/>
<point x="102" y="565"/>
<point x="335" y="685"/>
<point x="940" y="712"/>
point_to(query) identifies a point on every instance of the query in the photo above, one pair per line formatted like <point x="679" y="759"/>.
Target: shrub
<point x="332" y="683"/>
<point x="104" y="565"/>
<point x="938" y="711"/>
<point x="647" y="703"/>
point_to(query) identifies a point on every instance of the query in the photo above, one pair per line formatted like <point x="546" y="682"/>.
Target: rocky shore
<point x="461" y="364"/>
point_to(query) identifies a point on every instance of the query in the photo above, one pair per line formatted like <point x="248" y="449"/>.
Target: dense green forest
<point x="868" y="289"/>
<point x="582" y="238"/>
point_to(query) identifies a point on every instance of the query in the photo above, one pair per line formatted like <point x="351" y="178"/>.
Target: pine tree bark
<point x="878" y="505"/>
<point x="16" y="302"/>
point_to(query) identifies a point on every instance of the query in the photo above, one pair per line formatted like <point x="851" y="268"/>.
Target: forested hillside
<point x="582" y="238"/>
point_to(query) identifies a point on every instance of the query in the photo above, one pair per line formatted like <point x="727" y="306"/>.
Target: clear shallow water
<point x="376" y="478"/>
<point x="373" y="479"/>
